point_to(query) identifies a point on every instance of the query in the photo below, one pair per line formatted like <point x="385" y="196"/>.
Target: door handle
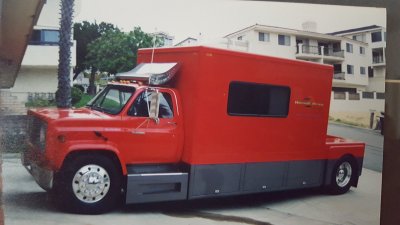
<point x="171" y="123"/>
<point x="138" y="132"/>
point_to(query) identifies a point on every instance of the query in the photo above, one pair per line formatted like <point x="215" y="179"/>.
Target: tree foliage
<point x="84" y="33"/>
<point x="116" y="51"/>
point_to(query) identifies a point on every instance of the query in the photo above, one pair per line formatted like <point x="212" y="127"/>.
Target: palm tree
<point x="63" y="94"/>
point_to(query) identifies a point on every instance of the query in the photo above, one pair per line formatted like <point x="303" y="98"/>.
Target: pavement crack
<point x="216" y="217"/>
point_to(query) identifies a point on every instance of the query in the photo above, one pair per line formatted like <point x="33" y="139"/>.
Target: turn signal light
<point x="61" y="138"/>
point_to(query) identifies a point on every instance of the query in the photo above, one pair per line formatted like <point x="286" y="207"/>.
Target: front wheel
<point x="342" y="176"/>
<point x="89" y="184"/>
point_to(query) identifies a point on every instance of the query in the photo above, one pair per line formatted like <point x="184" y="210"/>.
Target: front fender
<point x="73" y="147"/>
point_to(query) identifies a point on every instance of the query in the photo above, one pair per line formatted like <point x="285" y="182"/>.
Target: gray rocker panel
<point x="215" y="179"/>
<point x="232" y="179"/>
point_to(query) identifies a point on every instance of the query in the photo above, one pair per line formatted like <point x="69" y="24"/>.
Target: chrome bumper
<point x="42" y="176"/>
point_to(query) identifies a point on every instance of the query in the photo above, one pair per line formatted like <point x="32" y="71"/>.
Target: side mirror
<point x="154" y="106"/>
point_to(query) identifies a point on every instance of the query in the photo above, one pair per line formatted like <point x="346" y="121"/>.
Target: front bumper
<point x="42" y="176"/>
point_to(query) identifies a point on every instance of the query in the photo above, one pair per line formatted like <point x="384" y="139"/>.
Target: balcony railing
<point x="334" y="52"/>
<point x="339" y="95"/>
<point x="338" y="75"/>
<point x="317" y="50"/>
<point x="378" y="59"/>
<point x="309" y="49"/>
<point x="354" y="96"/>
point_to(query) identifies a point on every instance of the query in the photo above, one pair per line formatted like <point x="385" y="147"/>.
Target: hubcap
<point x="343" y="174"/>
<point x="91" y="183"/>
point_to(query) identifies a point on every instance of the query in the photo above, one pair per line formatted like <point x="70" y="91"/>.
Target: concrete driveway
<point x="25" y="203"/>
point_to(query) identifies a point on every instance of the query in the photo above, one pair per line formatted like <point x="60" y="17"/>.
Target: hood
<point x="50" y="114"/>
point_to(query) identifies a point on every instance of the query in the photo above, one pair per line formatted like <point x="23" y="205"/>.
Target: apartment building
<point x="187" y="42"/>
<point x="165" y="37"/>
<point x="357" y="56"/>
<point x="349" y="57"/>
<point x="375" y="37"/>
<point x="38" y="74"/>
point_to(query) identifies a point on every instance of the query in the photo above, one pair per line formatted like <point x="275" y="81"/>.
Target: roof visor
<point x="151" y="73"/>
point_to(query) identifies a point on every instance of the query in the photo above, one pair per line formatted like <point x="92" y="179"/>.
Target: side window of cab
<point x="141" y="105"/>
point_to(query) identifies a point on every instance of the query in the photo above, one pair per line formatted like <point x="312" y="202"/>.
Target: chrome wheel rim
<point x="91" y="183"/>
<point x="343" y="174"/>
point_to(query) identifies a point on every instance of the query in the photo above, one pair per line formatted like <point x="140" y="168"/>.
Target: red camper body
<point x="214" y="136"/>
<point x="228" y="123"/>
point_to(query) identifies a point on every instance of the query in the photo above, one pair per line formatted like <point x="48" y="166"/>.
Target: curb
<point x="352" y="126"/>
<point x="10" y="155"/>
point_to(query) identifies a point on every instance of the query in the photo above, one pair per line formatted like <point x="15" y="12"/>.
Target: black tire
<point x="88" y="184"/>
<point x="342" y="177"/>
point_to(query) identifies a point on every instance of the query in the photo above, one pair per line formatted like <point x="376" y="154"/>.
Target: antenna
<point x="154" y="45"/>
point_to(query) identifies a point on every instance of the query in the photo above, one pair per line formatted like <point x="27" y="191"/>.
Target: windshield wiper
<point x="97" y="108"/>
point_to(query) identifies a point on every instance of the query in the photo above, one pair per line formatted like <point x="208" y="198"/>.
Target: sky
<point x="216" y="18"/>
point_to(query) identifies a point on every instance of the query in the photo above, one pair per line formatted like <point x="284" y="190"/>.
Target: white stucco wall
<point x="45" y="55"/>
<point x="362" y="105"/>
<point x="271" y="47"/>
<point x="357" y="60"/>
<point x="357" y="112"/>
<point x="50" y="14"/>
<point x="36" y="79"/>
<point x="376" y="83"/>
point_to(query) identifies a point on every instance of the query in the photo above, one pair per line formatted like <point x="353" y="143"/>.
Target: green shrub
<point x="84" y="100"/>
<point x="80" y="87"/>
<point x="40" y="102"/>
<point x="76" y="95"/>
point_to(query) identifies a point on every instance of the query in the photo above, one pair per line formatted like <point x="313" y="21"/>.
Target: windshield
<point x="112" y="99"/>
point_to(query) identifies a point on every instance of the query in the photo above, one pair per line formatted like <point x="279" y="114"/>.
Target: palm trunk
<point x="63" y="95"/>
<point x="92" y="78"/>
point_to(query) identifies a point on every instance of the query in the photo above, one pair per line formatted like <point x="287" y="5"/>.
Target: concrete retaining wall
<point x="356" y="109"/>
<point x="13" y="133"/>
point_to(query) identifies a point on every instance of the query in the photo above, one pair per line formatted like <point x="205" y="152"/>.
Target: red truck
<point x="189" y="123"/>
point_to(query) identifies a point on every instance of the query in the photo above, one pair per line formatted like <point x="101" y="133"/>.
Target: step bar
<point x="156" y="187"/>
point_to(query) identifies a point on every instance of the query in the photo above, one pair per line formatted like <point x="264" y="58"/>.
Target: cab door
<point x="149" y="140"/>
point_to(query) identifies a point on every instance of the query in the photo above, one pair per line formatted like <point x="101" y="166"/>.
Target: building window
<point x="168" y="41"/>
<point x="263" y="36"/>
<point x="349" y="47"/>
<point x="251" y="99"/>
<point x="370" y="71"/>
<point x="240" y="38"/>
<point x="45" y="37"/>
<point x="284" y="40"/>
<point x="362" y="50"/>
<point x="359" y="37"/>
<point x="350" y="69"/>
<point x="380" y="95"/>
<point x="362" y="70"/>
<point x="376" y="36"/>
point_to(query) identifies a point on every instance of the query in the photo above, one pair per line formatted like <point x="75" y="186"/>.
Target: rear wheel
<point x="88" y="184"/>
<point x="342" y="176"/>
